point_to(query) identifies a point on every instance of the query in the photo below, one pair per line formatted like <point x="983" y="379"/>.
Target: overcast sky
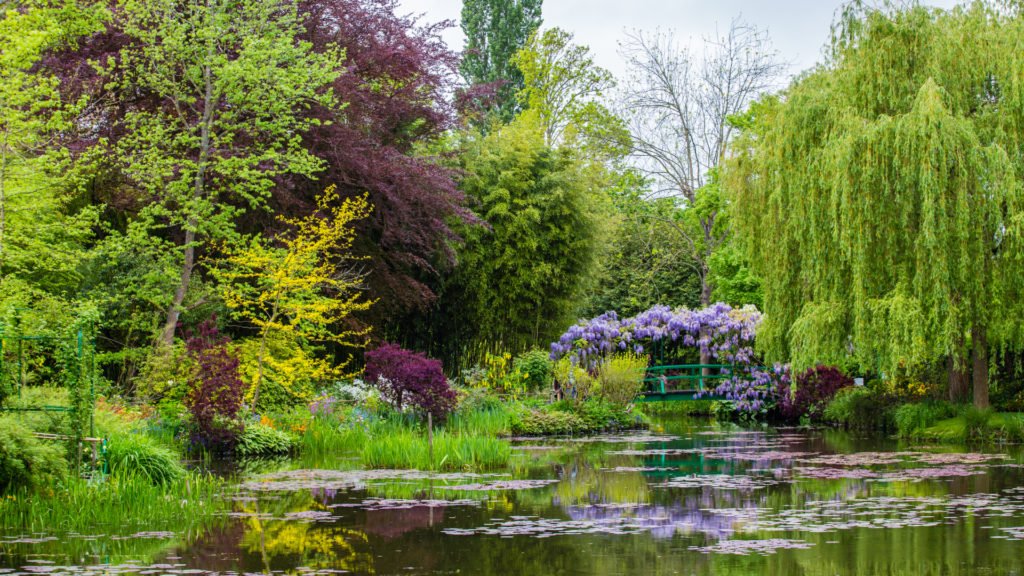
<point x="798" y="28"/>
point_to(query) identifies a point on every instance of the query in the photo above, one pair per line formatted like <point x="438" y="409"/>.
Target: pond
<point x="689" y="498"/>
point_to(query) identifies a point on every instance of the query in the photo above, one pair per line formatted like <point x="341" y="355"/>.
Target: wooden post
<point x="430" y="437"/>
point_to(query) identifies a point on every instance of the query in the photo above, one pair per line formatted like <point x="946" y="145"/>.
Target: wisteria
<point x="721" y="332"/>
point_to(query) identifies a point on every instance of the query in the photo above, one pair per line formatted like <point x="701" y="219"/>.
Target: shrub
<point x="135" y="455"/>
<point x="536" y="368"/>
<point x="215" y="391"/>
<point x="977" y="425"/>
<point x="912" y="419"/>
<point x="815" y="388"/>
<point x="165" y="373"/>
<point x="860" y="407"/>
<point x="26" y="461"/>
<point x="533" y="422"/>
<point x="261" y="440"/>
<point x="573" y="382"/>
<point x="600" y="415"/>
<point x="622" y="377"/>
<point x="406" y="378"/>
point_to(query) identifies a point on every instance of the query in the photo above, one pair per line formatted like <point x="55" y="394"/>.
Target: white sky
<point x="798" y="28"/>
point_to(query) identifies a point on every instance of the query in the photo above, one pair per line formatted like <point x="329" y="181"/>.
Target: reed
<point x="119" y="504"/>
<point x="326" y="437"/>
<point x="410" y="449"/>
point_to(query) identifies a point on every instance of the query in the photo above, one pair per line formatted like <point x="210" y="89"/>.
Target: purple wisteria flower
<point x="721" y="332"/>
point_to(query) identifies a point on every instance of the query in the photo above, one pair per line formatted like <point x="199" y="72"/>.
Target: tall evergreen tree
<point x="880" y="199"/>
<point x="495" y="30"/>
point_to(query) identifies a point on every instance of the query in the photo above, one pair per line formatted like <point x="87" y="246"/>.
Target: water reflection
<point x="700" y="499"/>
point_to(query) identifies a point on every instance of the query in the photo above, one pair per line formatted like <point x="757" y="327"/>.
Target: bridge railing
<point x="658" y="378"/>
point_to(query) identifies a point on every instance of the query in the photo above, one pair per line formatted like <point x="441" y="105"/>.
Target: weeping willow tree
<point x="880" y="195"/>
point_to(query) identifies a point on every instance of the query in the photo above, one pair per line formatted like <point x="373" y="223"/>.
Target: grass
<point x="410" y="449"/>
<point x="139" y="455"/>
<point x="327" y="436"/>
<point x="688" y="408"/>
<point x="978" y="426"/>
<point x="131" y="503"/>
<point x="490" y="422"/>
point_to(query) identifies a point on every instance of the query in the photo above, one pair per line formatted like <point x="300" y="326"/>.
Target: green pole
<point x="21" y="368"/>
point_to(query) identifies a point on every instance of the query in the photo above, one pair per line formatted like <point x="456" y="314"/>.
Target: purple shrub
<point x="815" y="388"/>
<point x="215" y="391"/>
<point x="406" y="378"/>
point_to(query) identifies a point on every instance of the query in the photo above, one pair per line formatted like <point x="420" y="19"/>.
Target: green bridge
<point x="683" y="382"/>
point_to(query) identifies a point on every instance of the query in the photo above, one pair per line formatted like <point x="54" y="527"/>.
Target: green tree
<point x="880" y="199"/>
<point x="302" y="290"/>
<point x="645" y="263"/>
<point x="562" y="88"/>
<point x="495" y="30"/>
<point x="520" y="276"/>
<point x="225" y="83"/>
<point x="42" y="234"/>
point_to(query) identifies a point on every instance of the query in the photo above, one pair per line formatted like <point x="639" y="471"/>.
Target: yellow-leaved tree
<point x="298" y="288"/>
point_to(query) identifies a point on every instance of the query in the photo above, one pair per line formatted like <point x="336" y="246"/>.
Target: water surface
<point x="692" y="498"/>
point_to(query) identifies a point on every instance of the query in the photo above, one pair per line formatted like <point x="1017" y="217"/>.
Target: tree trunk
<point x="959" y="378"/>
<point x="979" y="339"/>
<point x="174" y="312"/>
<point x="198" y="190"/>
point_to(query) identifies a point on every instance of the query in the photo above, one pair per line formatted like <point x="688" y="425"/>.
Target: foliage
<point x="386" y="142"/>
<point x="520" y="277"/>
<point x="574" y="382"/>
<point x="203" y="115"/>
<point x="80" y="506"/>
<point x="733" y="278"/>
<point x="409" y="379"/>
<point x="44" y="230"/>
<point x="302" y="291"/>
<point x="910" y="127"/>
<point x="25" y="461"/>
<point x="165" y="374"/>
<point x="537" y="369"/>
<point x="136" y="455"/>
<point x="214" y="396"/>
<point x="718" y="332"/>
<point x="495" y="30"/>
<point x="814" y="388"/>
<point x="566" y="418"/>
<point x="562" y="92"/>
<point x="645" y="263"/>
<point x="621" y="377"/>
<point x="913" y="418"/>
<point x="860" y="407"/>
<point x="532" y="422"/>
<point x="700" y="407"/>
<point x="600" y="415"/>
<point x="263" y="440"/>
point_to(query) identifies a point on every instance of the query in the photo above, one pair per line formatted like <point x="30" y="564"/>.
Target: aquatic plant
<point x="136" y="455"/>
<point x="402" y="448"/>
<point x="120" y="503"/>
